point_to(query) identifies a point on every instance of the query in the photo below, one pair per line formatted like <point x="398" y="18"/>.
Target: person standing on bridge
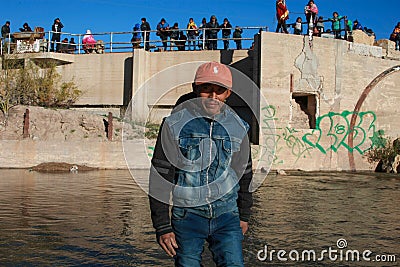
<point x="226" y="32"/>
<point x="145" y="28"/>
<point x="311" y="11"/>
<point x="395" y="36"/>
<point x="336" y="27"/>
<point x="163" y="32"/>
<point x="5" y="30"/>
<point x="135" y="40"/>
<point x="237" y="36"/>
<point x="192" y="33"/>
<point x="212" y="32"/>
<point x="282" y="14"/>
<point x="56" y="36"/>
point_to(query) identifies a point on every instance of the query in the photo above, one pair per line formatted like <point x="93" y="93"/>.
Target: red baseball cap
<point x="214" y="72"/>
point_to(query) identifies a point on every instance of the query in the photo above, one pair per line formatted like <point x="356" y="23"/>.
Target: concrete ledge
<point x="361" y="37"/>
<point x="365" y="50"/>
<point x="388" y="48"/>
<point x="58" y="58"/>
<point x="104" y="155"/>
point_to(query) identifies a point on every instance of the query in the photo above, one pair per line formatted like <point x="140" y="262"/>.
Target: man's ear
<point x="229" y="93"/>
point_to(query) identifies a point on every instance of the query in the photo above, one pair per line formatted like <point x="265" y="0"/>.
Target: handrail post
<point x="111" y="42"/>
<point x="145" y="40"/>
<point x="79" y="44"/>
<point x="48" y="43"/>
<point x="204" y="38"/>
<point x="9" y="44"/>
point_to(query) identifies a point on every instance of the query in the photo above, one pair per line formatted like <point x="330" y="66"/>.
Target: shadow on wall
<point x="128" y="76"/>
<point x="245" y="96"/>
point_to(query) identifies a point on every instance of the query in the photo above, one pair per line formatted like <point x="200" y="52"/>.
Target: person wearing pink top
<point x="311" y="11"/>
<point x="89" y="42"/>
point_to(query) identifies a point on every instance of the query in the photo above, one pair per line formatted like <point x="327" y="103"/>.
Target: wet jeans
<point x="223" y="234"/>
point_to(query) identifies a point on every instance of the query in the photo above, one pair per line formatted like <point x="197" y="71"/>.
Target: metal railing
<point x="121" y="41"/>
<point x="327" y="29"/>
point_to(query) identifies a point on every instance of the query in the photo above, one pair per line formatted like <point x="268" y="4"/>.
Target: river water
<point x="101" y="218"/>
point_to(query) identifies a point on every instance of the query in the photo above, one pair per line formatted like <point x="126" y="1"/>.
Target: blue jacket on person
<point x="205" y="162"/>
<point x="136" y="31"/>
<point x="162" y="29"/>
<point x="358" y="26"/>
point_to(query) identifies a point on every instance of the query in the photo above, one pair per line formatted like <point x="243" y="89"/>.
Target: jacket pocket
<point x="231" y="145"/>
<point x="190" y="147"/>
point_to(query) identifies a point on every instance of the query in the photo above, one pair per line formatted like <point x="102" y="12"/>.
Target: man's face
<point x="213" y="97"/>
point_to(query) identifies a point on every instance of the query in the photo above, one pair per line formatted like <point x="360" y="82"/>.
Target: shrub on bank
<point x="387" y="156"/>
<point x="28" y="84"/>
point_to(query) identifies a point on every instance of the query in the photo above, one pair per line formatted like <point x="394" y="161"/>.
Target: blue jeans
<point x="223" y="234"/>
<point x="192" y="42"/>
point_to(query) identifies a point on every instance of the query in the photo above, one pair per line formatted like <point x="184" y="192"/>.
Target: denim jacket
<point x="206" y="162"/>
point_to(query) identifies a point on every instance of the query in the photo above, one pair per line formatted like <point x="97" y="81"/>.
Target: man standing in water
<point x="202" y="156"/>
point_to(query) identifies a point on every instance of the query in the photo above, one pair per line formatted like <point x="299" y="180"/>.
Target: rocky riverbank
<point x="59" y="139"/>
<point x="58" y="124"/>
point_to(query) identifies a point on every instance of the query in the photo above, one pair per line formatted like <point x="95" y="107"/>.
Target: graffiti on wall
<point x="268" y="138"/>
<point x="296" y="145"/>
<point x="332" y="131"/>
<point x="277" y="139"/>
<point x="150" y="150"/>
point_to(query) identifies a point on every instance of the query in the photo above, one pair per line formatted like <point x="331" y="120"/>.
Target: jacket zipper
<point x="208" y="168"/>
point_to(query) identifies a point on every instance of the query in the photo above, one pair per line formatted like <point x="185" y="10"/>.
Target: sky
<point x="121" y="15"/>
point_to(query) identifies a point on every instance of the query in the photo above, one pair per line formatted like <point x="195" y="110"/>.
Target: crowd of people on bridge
<point x="206" y="34"/>
<point x="192" y="37"/>
<point x="341" y="26"/>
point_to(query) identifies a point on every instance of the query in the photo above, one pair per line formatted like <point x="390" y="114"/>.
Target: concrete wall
<point x="336" y="74"/>
<point x="103" y="78"/>
<point x="161" y="78"/>
<point x="310" y="92"/>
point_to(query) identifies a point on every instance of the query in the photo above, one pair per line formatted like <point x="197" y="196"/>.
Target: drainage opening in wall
<point x="304" y="109"/>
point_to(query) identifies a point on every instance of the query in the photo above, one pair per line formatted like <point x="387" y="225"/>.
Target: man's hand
<point x="168" y="243"/>
<point x="244" y="226"/>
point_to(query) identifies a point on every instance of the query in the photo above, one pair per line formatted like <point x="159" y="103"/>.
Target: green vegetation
<point x="151" y="130"/>
<point x="385" y="153"/>
<point x="29" y="84"/>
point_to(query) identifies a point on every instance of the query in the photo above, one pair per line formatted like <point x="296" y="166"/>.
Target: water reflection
<point x="102" y="218"/>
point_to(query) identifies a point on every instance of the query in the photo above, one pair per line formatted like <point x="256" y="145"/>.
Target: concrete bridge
<point x="305" y="106"/>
